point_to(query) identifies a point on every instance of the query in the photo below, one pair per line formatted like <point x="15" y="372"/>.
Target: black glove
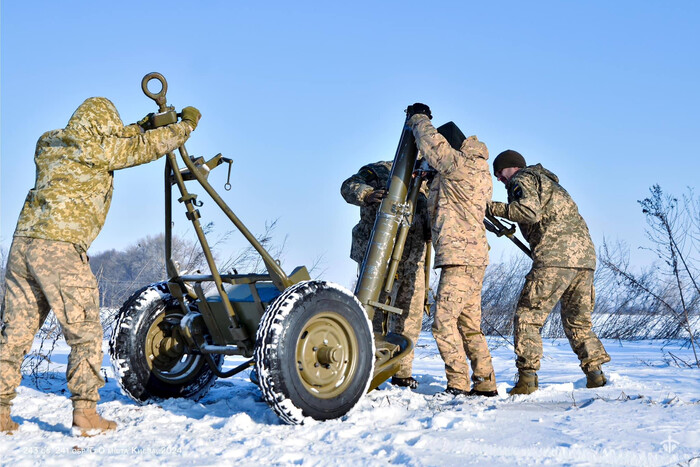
<point x="426" y="171"/>
<point x="376" y="196"/>
<point x="191" y="115"/>
<point x="418" y="108"/>
<point x="145" y="123"/>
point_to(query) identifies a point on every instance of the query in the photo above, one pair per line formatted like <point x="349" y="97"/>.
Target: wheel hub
<point x="163" y="351"/>
<point x="326" y="354"/>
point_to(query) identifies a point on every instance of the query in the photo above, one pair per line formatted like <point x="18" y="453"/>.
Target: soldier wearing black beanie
<point x="508" y="158"/>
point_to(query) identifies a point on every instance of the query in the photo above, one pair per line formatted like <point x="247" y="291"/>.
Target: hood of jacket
<point x="537" y="169"/>
<point x="96" y="117"/>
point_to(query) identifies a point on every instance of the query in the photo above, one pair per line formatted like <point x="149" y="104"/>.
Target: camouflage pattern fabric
<point x="548" y="218"/>
<point x="356" y="189"/>
<point x="44" y="275"/>
<point x="409" y="290"/>
<point x="544" y="287"/>
<point x="456" y="204"/>
<point x="458" y="195"/>
<point x="457" y="328"/>
<point x="74" y="171"/>
<point x="48" y="266"/>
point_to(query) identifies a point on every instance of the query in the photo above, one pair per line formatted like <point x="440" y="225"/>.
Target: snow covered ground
<point x="647" y="415"/>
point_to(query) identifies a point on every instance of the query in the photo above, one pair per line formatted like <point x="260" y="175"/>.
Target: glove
<point x="375" y="197"/>
<point x="496" y="209"/>
<point x="145" y="122"/>
<point x="418" y="108"/>
<point x="191" y="116"/>
<point x="426" y="171"/>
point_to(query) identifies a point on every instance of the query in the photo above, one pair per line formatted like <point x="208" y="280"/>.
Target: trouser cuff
<point x="83" y="404"/>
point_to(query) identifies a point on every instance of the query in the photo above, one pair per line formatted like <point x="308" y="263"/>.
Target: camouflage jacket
<point x="458" y="195"/>
<point x="74" y="171"/>
<point x="548" y="218"/>
<point x="356" y="189"/>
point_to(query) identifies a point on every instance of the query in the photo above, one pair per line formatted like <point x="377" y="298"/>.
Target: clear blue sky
<point x="301" y="94"/>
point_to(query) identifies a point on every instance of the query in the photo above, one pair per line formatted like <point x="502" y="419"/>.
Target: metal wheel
<point x="147" y="352"/>
<point x="165" y="352"/>
<point x="327" y="355"/>
<point x="314" y="352"/>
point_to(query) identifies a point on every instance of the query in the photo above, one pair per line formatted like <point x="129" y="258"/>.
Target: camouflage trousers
<point x="457" y="328"/>
<point x="543" y="288"/>
<point x="44" y="275"/>
<point x="409" y="295"/>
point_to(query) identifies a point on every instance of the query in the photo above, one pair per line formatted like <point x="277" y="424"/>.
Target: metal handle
<point x="159" y="97"/>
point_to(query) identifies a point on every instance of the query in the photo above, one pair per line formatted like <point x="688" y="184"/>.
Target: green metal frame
<point x="231" y="334"/>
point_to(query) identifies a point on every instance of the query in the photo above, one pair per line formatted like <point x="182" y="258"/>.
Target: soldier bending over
<point x="563" y="261"/>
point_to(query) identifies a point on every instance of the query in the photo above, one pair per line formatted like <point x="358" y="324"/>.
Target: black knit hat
<point x="452" y="134"/>
<point x="508" y="158"/>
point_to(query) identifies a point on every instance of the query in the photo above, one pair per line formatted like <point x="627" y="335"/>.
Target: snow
<point x="647" y="415"/>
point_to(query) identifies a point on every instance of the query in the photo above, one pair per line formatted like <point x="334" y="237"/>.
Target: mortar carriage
<point x="311" y="341"/>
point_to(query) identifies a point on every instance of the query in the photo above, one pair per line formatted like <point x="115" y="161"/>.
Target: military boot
<point x="88" y="422"/>
<point x="527" y="383"/>
<point x="476" y="392"/>
<point x="455" y="391"/>
<point x="7" y="425"/>
<point x="595" y="378"/>
<point x="409" y="382"/>
<point x="483" y="387"/>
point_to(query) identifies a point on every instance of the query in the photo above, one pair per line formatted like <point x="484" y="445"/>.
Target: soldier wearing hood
<point x="458" y="196"/>
<point x="48" y="267"/>
<point x="563" y="262"/>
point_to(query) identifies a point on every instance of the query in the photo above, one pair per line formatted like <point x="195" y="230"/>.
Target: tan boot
<point x="7" y="425"/>
<point x="88" y="422"/>
<point x="527" y="383"/>
<point x="595" y="378"/>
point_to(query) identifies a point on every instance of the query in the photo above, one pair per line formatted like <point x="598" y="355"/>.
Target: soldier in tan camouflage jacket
<point x="366" y="189"/>
<point x="48" y="266"/>
<point x="458" y="196"/>
<point x="563" y="262"/>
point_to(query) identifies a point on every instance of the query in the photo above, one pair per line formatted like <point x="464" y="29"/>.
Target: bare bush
<point x="666" y="295"/>
<point x="503" y="283"/>
<point x="499" y="295"/>
<point x="121" y="273"/>
<point x="37" y="363"/>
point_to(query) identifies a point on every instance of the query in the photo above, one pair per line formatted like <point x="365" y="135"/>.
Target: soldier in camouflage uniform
<point x="366" y="189"/>
<point x="48" y="266"/>
<point x="458" y="196"/>
<point x="563" y="262"/>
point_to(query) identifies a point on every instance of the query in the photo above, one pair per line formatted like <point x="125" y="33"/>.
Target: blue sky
<point x="301" y="94"/>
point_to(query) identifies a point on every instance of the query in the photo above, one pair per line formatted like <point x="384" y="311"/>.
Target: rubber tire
<point x="275" y="351"/>
<point x="126" y="350"/>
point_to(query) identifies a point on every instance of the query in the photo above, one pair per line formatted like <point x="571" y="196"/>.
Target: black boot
<point x="475" y="392"/>
<point x="455" y="392"/>
<point x="409" y="382"/>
